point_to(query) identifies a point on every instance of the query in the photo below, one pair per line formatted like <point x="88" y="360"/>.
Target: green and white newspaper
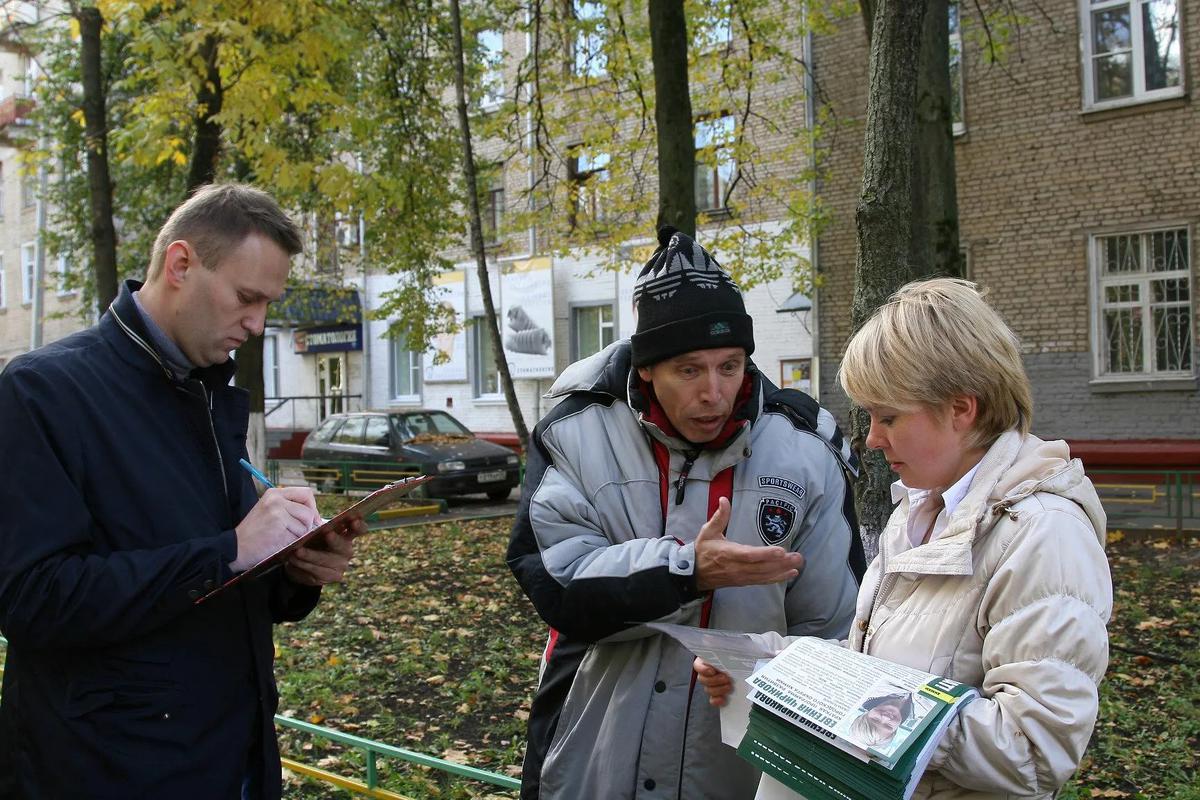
<point x="836" y="724"/>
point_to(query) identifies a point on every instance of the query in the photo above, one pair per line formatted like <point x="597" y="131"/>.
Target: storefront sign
<point x="329" y="339"/>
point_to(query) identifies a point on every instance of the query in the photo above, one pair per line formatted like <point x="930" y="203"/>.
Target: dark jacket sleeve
<point x="599" y="588"/>
<point x="57" y="588"/>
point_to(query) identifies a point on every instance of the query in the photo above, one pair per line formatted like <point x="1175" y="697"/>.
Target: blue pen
<point x="246" y="465"/>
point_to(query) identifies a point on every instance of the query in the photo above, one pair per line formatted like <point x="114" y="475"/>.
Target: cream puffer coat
<point x="1013" y="597"/>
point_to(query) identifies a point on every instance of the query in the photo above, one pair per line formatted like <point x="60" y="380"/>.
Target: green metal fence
<point x="372" y="751"/>
<point x="1149" y="499"/>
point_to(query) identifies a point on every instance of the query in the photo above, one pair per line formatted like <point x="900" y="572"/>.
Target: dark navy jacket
<point x="119" y="493"/>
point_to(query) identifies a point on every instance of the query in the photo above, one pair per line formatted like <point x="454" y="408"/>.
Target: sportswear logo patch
<point x="775" y="519"/>
<point x="774" y="482"/>
<point x="719" y="329"/>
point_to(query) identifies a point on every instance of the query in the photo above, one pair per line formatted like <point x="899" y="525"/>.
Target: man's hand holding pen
<point x="279" y="517"/>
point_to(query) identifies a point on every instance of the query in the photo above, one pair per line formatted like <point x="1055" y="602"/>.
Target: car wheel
<point x="497" y="495"/>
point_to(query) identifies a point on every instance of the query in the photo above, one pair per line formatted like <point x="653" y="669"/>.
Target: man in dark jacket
<point x="121" y="503"/>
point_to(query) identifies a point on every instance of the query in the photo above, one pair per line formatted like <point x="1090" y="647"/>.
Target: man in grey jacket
<point x="673" y="482"/>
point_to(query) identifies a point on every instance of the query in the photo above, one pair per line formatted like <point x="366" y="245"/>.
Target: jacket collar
<point x="122" y="325"/>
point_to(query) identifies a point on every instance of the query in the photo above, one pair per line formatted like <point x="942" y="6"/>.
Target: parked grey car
<point x="365" y="450"/>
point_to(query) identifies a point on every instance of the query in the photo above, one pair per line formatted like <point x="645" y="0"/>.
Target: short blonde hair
<point x="932" y="341"/>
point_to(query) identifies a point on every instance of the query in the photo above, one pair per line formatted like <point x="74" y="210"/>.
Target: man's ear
<point x="644" y="374"/>
<point x="177" y="260"/>
<point x="964" y="410"/>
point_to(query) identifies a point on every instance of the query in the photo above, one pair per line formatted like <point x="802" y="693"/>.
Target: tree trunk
<point x="206" y="147"/>
<point x="249" y="376"/>
<point x="100" y="190"/>
<point x="476" y="226"/>
<point x="935" y="248"/>
<point x="884" y="215"/>
<point x="673" y="116"/>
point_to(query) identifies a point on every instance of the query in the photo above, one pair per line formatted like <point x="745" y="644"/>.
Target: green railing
<point x="329" y="476"/>
<point x="1149" y="499"/>
<point x="372" y="751"/>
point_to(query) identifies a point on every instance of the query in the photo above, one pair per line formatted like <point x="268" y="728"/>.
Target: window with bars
<point x="1143" y="304"/>
<point x="592" y="329"/>
<point x="1131" y="51"/>
<point x="404" y="370"/>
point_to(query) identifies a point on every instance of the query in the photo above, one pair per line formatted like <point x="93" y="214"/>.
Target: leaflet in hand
<point x="835" y="723"/>
<point x="363" y="509"/>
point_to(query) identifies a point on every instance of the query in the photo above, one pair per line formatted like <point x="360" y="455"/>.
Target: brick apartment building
<point x="1078" y="161"/>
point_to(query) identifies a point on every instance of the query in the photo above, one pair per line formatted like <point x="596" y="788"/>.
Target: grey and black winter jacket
<point x="617" y="713"/>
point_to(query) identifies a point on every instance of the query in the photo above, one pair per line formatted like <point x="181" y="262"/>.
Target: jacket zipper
<point x="213" y="430"/>
<point x="681" y="484"/>
<point x="884" y="580"/>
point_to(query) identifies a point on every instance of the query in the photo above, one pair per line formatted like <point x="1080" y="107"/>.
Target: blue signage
<point x="328" y="339"/>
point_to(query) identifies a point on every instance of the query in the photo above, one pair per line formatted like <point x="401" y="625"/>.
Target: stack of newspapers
<point x="835" y="724"/>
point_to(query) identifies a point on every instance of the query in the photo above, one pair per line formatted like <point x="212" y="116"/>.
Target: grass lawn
<point x="431" y="646"/>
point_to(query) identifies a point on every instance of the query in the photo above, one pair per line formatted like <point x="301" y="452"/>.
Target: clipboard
<point x="375" y="501"/>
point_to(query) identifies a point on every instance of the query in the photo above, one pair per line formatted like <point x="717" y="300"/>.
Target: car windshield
<point x="429" y="426"/>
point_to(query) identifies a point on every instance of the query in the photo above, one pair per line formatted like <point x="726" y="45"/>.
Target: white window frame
<point x="715" y="30"/>
<point x="610" y="326"/>
<point x="64" y="272"/>
<point x="587" y="56"/>
<point x="1139" y="92"/>
<point x="491" y="44"/>
<point x="271" y="366"/>
<point x="402" y="359"/>
<point x="588" y="172"/>
<point x="3" y="285"/>
<point x="28" y="265"/>
<point x="959" y="125"/>
<point x="1097" y="304"/>
<point x="477" y="334"/>
<point x="719" y="133"/>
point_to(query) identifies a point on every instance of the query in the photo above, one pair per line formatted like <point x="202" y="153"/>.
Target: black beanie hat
<point x="686" y="302"/>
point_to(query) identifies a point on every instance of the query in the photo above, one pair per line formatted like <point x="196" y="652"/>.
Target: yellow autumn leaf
<point x="333" y="661"/>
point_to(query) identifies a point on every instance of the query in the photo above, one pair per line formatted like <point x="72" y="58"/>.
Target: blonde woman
<point x="991" y="570"/>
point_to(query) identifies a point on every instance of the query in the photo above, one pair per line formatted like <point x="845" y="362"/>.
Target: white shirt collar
<point x="950" y="498"/>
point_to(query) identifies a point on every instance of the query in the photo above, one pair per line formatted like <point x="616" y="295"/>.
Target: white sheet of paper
<point x="740" y="654"/>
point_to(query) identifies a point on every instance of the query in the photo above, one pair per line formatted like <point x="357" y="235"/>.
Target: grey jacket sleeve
<point x="820" y="601"/>
<point x="580" y="581"/>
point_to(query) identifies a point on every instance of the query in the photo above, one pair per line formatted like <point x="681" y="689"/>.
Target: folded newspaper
<point x="832" y="723"/>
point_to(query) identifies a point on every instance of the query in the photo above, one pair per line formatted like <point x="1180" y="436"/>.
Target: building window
<point x="3" y="285"/>
<point x="28" y="195"/>
<point x="591" y="330"/>
<point x="491" y="43"/>
<point x="587" y="57"/>
<point x="712" y="28"/>
<point x="1131" y="51"/>
<point x="714" y="162"/>
<point x="588" y="176"/>
<point x="404" y="370"/>
<point x="1" y="191"/>
<point x="957" y="93"/>
<point x="28" y="259"/>
<point x="1143" y="304"/>
<point x="65" y="274"/>
<point x="271" y="366"/>
<point x="493" y="205"/>
<point x="485" y="377"/>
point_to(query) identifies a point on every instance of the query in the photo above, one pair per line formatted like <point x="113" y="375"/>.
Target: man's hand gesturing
<point x="720" y="562"/>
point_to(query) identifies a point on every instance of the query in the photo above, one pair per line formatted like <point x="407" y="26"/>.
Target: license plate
<point x="491" y="476"/>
